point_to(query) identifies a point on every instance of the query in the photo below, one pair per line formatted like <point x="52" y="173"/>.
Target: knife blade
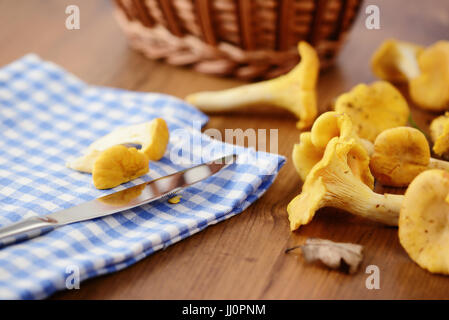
<point x="116" y="202"/>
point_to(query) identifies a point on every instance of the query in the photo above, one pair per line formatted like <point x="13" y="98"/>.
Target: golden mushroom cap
<point x="153" y="137"/>
<point x="329" y="125"/>
<point x="357" y="160"/>
<point x="439" y="133"/>
<point x="374" y="108"/>
<point x="423" y="221"/>
<point x="302" y="208"/>
<point x="396" y="61"/>
<point x="430" y="90"/>
<point x="437" y="126"/>
<point x="312" y="144"/>
<point x="400" y="154"/>
<point x="305" y="155"/>
<point x="117" y="165"/>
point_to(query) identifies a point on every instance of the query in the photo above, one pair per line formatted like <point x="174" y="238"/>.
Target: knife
<point x="122" y="200"/>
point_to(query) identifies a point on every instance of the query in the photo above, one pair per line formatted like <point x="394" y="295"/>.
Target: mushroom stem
<point x="438" y="164"/>
<point x="423" y="223"/>
<point x="400" y="154"/>
<point x="217" y="101"/>
<point x="339" y="189"/>
<point x="383" y="208"/>
<point x="373" y="108"/>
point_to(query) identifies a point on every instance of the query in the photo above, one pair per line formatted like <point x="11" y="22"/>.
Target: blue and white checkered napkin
<point x="47" y="116"/>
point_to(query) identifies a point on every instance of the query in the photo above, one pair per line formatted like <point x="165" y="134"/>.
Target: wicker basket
<point x="243" y="38"/>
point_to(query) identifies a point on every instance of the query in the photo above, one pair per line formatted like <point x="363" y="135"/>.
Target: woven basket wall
<point x="243" y="38"/>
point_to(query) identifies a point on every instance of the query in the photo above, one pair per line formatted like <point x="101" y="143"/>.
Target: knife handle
<point x="26" y="229"/>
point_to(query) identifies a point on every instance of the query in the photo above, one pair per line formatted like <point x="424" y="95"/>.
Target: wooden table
<point x="243" y="257"/>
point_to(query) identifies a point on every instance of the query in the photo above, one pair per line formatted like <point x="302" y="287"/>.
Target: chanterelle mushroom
<point x="396" y="61"/>
<point x="342" y="180"/>
<point x="400" y="154"/>
<point x="430" y="90"/>
<point x="311" y="146"/>
<point x="374" y="108"/>
<point x="117" y="165"/>
<point x="334" y="124"/>
<point x="305" y="155"/>
<point x="152" y="136"/>
<point x="439" y="133"/>
<point x="295" y="91"/>
<point x="423" y="221"/>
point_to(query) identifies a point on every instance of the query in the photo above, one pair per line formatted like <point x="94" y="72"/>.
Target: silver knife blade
<point x="119" y="201"/>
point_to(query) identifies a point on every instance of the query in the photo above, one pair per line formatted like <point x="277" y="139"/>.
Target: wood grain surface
<point x="243" y="257"/>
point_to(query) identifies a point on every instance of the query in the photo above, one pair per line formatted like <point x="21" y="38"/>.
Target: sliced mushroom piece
<point x="117" y="165"/>
<point x="424" y="221"/>
<point x="152" y="136"/>
<point x="400" y="154"/>
<point x="305" y="155"/>
<point x="311" y="146"/>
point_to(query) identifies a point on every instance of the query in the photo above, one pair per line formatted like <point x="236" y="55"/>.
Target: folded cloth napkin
<point x="48" y="116"/>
